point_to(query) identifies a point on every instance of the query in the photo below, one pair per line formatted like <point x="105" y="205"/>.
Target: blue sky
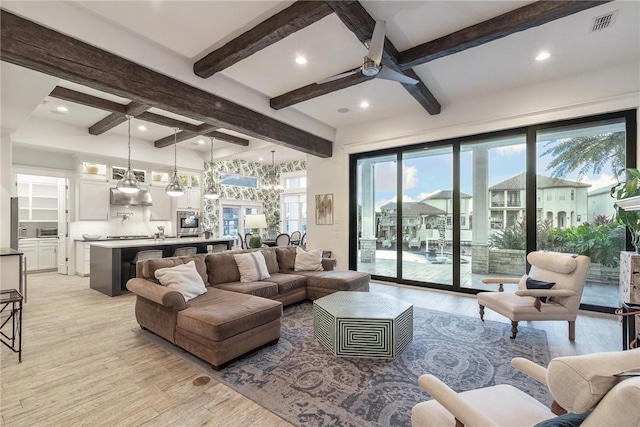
<point x="432" y="172"/>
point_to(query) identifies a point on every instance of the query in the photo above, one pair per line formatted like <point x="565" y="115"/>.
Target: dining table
<point x="272" y="243"/>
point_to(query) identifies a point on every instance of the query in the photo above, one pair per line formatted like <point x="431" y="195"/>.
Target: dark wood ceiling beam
<point x="27" y="44"/>
<point x="297" y="16"/>
<point x="315" y="90"/>
<point x="70" y="95"/>
<point x="184" y="135"/>
<point x="228" y="138"/>
<point x="169" y="140"/>
<point x="529" y="16"/>
<point x="115" y="119"/>
<point x="167" y="121"/>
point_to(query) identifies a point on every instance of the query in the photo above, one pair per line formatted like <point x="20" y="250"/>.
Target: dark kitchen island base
<point x="110" y="260"/>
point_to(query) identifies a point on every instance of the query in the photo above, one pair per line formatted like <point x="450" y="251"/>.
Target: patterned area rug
<point x="302" y="382"/>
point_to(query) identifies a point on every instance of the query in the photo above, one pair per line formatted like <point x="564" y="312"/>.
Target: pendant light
<point x="128" y="183"/>
<point x="175" y="188"/>
<point x="211" y="191"/>
<point x="273" y="176"/>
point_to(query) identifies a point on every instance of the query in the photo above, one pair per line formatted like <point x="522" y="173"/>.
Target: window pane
<point x="238" y="180"/>
<point x="492" y="188"/>
<point x="427" y="215"/>
<point x="376" y="193"/>
<point x="583" y="161"/>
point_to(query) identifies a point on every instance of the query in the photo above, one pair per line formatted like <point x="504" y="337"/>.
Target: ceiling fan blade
<point x="377" y="42"/>
<point x="338" y="76"/>
<point x="389" y="74"/>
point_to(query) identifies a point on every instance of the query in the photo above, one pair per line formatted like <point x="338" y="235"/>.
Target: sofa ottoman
<point x="328" y="282"/>
<point x="227" y="324"/>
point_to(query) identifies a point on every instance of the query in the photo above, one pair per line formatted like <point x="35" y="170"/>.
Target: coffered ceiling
<point x="170" y="36"/>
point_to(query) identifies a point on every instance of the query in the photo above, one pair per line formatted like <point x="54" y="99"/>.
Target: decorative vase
<point x="91" y="169"/>
<point x="207" y="234"/>
<point x="255" y="242"/>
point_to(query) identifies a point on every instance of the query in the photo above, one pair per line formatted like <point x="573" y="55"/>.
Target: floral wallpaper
<point x="270" y="198"/>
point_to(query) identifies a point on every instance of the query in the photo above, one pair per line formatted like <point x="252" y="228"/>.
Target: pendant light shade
<point x="211" y="191"/>
<point x="175" y="188"/>
<point x="128" y="183"/>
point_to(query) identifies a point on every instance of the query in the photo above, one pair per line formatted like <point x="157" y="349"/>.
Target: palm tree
<point x="588" y="153"/>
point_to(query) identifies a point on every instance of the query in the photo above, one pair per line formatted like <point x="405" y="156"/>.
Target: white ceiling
<point x="188" y="30"/>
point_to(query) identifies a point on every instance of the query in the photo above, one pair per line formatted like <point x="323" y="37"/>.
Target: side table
<point x="12" y="298"/>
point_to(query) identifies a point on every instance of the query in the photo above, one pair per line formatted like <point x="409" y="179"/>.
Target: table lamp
<point x="256" y="222"/>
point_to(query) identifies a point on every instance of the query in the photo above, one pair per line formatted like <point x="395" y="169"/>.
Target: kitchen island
<point x="110" y="260"/>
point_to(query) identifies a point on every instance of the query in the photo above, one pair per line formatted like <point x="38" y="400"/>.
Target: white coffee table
<point x="363" y="324"/>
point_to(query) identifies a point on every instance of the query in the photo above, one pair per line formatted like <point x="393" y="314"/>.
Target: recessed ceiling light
<point x="142" y="128"/>
<point x="364" y="104"/>
<point x="301" y="59"/>
<point x="201" y="141"/>
<point x="260" y="159"/>
<point x="343" y="110"/>
<point x="62" y="109"/>
<point x="542" y="56"/>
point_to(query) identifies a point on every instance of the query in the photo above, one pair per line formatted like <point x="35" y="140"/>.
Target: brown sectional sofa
<point x="233" y="317"/>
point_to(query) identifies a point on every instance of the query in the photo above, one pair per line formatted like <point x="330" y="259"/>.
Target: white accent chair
<point x="576" y="383"/>
<point x="569" y="272"/>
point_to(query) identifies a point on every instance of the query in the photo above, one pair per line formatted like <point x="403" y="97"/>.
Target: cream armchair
<point x="576" y="383"/>
<point x="568" y="272"/>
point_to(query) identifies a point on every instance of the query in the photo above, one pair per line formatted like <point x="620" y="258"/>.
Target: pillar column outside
<point x="368" y="221"/>
<point x="481" y="217"/>
<point x="368" y="250"/>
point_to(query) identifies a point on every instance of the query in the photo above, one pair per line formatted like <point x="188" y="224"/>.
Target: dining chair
<point x="247" y="237"/>
<point x="295" y="238"/>
<point x="242" y="245"/>
<point x="283" y="239"/>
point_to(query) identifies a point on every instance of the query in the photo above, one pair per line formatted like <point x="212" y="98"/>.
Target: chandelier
<point x="211" y="190"/>
<point x="273" y="183"/>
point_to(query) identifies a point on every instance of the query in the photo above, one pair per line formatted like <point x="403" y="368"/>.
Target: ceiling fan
<point x="371" y="66"/>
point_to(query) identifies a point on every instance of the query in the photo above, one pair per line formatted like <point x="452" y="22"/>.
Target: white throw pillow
<point x="252" y="266"/>
<point x="308" y="260"/>
<point x="183" y="278"/>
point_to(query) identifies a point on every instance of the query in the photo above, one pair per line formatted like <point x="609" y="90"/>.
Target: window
<point x="549" y="197"/>
<point x="573" y="195"/>
<point x="561" y="195"/>
<point x="238" y="180"/>
<point x="294" y="213"/>
<point x="296" y="182"/>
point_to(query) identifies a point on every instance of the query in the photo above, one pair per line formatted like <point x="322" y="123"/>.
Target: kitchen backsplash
<point x="33" y="226"/>
<point x="137" y="223"/>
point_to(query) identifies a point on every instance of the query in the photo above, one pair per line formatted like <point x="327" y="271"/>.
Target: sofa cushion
<point x="339" y="280"/>
<point x="271" y="259"/>
<point x="288" y="282"/>
<point x="308" y="260"/>
<point x="150" y="266"/>
<point x="259" y="289"/>
<point x="225" y="314"/>
<point x="286" y="258"/>
<point x="182" y="278"/>
<point x="222" y="268"/>
<point x="252" y="266"/>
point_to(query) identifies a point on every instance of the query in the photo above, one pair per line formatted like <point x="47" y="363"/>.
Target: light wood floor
<point x="83" y="365"/>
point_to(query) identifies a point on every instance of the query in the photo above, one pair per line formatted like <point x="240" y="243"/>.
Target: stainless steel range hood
<point x="141" y="198"/>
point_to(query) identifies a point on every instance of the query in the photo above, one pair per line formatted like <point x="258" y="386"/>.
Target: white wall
<point x="609" y="89"/>
<point x="38" y="135"/>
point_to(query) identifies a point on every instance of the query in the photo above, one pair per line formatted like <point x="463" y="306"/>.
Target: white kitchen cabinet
<point x="191" y="199"/>
<point x="93" y="201"/>
<point x="161" y="208"/>
<point x="41" y="254"/>
<point x="47" y="255"/>
<point x="37" y="201"/>
<point x="83" y="260"/>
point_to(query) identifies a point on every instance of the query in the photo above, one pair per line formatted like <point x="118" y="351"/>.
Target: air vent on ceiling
<point x="603" y="21"/>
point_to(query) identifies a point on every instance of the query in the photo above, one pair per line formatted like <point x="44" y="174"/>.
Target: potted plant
<point x="629" y="215"/>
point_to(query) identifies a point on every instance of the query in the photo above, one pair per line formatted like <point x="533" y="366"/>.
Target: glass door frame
<point x="241" y="205"/>
<point x="631" y="129"/>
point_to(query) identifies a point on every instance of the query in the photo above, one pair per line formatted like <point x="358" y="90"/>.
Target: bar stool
<point x="140" y="256"/>
<point x="186" y="251"/>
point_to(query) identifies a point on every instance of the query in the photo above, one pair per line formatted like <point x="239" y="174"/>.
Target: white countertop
<point x="116" y="244"/>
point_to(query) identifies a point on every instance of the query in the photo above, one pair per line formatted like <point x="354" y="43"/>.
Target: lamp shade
<point x="255" y="221"/>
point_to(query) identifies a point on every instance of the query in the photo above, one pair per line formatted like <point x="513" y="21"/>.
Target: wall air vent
<point x="603" y="21"/>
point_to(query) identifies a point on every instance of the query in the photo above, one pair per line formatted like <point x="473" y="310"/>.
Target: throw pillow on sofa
<point x="252" y="266"/>
<point x="308" y="261"/>
<point x="183" y="278"/>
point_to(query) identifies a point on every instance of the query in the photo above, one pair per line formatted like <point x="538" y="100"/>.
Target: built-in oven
<point x="188" y="223"/>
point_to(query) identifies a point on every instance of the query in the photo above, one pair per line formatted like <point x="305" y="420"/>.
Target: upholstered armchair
<point x="586" y="385"/>
<point x="563" y="274"/>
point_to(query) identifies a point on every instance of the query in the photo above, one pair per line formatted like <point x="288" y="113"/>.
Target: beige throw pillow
<point x="182" y="278"/>
<point x="308" y="261"/>
<point x="252" y="266"/>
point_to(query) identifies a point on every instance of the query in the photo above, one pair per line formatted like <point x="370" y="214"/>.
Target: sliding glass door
<point x="473" y="207"/>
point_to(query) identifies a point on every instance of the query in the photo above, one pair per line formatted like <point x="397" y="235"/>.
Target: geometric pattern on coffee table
<point x="363" y="324"/>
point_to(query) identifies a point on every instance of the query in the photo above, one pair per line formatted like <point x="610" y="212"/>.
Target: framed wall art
<point x="324" y="209"/>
